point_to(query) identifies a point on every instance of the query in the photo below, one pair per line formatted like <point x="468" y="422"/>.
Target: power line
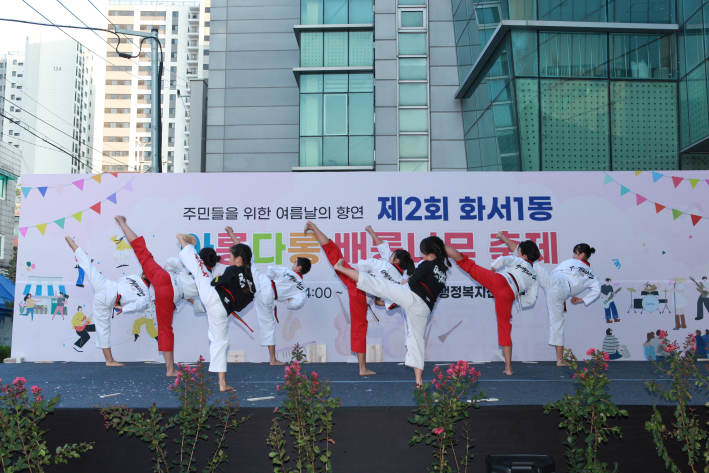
<point x="92" y="4"/>
<point x="67" y="134"/>
<point x="4" y="153"/>
<point x="46" y="140"/>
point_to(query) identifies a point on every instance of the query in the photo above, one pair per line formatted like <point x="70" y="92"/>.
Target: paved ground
<point x="141" y="385"/>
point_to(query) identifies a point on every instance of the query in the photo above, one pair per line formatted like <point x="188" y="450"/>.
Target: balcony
<point x="193" y="17"/>
<point x="192" y="58"/>
<point x="193" y="31"/>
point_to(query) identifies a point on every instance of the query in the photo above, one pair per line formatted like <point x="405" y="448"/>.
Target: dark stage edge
<point x="367" y="439"/>
<point x="141" y="385"/>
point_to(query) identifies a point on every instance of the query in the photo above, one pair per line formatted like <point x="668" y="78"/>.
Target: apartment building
<point x="184" y="29"/>
<point x="12" y="80"/>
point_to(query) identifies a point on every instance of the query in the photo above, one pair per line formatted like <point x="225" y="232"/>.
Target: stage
<point x="371" y="428"/>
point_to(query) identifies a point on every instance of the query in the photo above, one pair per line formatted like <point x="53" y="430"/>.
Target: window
<point x="117" y="153"/>
<point x="205" y="67"/>
<point x="14" y="74"/>
<point x="412" y="44"/>
<point x="154" y="14"/>
<point x="3" y="192"/>
<point x="336" y="49"/>
<point x="206" y="38"/>
<point x="206" y="52"/>
<point x="2" y="241"/>
<point x="336" y="12"/>
<point x="171" y="125"/>
<point x="336" y="120"/>
<point x="120" y="13"/>
<point x="412" y="18"/>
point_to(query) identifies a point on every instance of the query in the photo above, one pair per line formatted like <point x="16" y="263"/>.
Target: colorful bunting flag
<point x="112" y="198"/>
<point x="97" y="178"/>
<point x="23" y="230"/>
<point x="695" y="219"/>
<point x="77" y="216"/>
<point x="41" y="227"/>
<point x="42" y="190"/>
<point x="79" y="184"/>
<point x="26" y="190"/>
<point x="656" y="176"/>
<point x="624" y="190"/>
<point x="676" y="213"/>
<point x="677" y="181"/>
<point x="96" y="208"/>
<point x="640" y="199"/>
<point x="659" y="208"/>
<point x="114" y="174"/>
<point x="60" y="222"/>
<point x="637" y="173"/>
<point x="694" y="182"/>
<point x="608" y="180"/>
<point x="128" y="186"/>
<point x="59" y="189"/>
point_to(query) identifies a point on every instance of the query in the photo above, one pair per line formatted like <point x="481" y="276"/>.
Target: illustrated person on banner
<point x="612" y="346"/>
<point x="147" y="319"/>
<point x="122" y="251"/>
<point x="30" y="304"/>
<point x="703" y="301"/>
<point x="648" y="347"/>
<point x="607" y="295"/>
<point x="278" y="284"/>
<point x="83" y="326"/>
<point x="701" y="345"/>
<point x="680" y="302"/>
<point x="128" y="294"/>
<point x="61" y="299"/>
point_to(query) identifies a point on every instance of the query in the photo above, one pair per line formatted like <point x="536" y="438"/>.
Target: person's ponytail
<point x="434" y="245"/>
<point x="584" y="248"/>
<point x="209" y="257"/>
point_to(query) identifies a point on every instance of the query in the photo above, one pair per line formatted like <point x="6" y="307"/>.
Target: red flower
<point x="438" y="430"/>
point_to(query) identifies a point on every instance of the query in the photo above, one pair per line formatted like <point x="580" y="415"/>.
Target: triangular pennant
<point x="676" y="213"/>
<point x="59" y="189"/>
<point x="112" y="198"/>
<point x="659" y="208"/>
<point x="639" y="199"/>
<point x="26" y="190"/>
<point x="41" y="227"/>
<point x="79" y="184"/>
<point x="608" y="180"/>
<point x="77" y="216"/>
<point x="695" y="219"/>
<point x="637" y="173"/>
<point x="677" y="180"/>
<point x="97" y="178"/>
<point x="42" y="190"/>
<point x="656" y="176"/>
<point x="114" y="174"/>
<point x="624" y="190"/>
<point x="128" y="186"/>
<point x="96" y="208"/>
<point x="23" y="230"/>
<point x="60" y="222"/>
<point x="694" y="182"/>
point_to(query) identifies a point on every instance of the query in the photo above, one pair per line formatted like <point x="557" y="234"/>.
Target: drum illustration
<point x="651" y="303"/>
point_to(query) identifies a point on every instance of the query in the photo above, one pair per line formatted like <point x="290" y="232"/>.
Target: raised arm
<point x="230" y="232"/>
<point x="71" y="243"/>
<point x="453" y="253"/>
<point x="510" y="244"/>
<point x="375" y="238"/>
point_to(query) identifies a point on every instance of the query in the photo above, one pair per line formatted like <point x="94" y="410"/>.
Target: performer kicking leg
<point x="517" y="277"/>
<point x="416" y="296"/>
<point x="106" y="297"/>
<point x="358" y="300"/>
<point x="163" y="286"/>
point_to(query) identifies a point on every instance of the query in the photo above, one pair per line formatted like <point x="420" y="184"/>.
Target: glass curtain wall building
<point x="582" y="85"/>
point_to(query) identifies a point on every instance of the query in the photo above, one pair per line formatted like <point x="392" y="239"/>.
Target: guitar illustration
<point x="608" y="299"/>
<point x="289" y="328"/>
<point x="443" y="337"/>
<point x="701" y="288"/>
<point x="342" y="324"/>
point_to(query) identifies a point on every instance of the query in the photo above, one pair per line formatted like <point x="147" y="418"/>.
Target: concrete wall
<point x="253" y="114"/>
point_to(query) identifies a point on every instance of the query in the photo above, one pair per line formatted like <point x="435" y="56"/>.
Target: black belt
<point x="275" y="298"/>
<point x="514" y="281"/>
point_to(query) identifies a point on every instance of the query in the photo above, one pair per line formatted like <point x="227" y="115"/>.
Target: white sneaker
<point x="198" y="307"/>
<point x="626" y="352"/>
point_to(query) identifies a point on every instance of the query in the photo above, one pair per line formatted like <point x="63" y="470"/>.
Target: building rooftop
<point x="179" y="3"/>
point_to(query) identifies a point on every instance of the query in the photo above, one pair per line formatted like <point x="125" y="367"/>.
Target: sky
<point x="13" y="35"/>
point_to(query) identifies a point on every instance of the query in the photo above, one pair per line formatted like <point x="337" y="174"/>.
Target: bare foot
<point x="114" y="363"/>
<point x="340" y="265"/>
<point x="308" y="226"/>
<point x="508" y="372"/>
<point x="171" y="373"/>
<point x="277" y="363"/>
<point x="120" y="219"/>
<point x="190" y="239"/>
<point x="366" y="372"/>
<point x="226" y="387"/>
<point x="562" y="363"/>
<point x="418" y="385"/>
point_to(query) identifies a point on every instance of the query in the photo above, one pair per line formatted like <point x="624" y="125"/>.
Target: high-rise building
<point x="10" y="159"/>
<point x="442" y="85"/>
<point x="12" y="80"/>
<point x="49" y="104"/>
<point x="184" y="31"/>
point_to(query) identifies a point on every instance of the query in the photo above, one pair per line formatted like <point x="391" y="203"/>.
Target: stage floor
<point x="141" y="384"/>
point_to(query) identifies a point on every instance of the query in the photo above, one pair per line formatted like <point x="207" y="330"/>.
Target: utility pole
<point x="154" y="93"/>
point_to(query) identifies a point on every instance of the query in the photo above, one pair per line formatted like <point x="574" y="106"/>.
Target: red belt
<point x="275" y="298"/>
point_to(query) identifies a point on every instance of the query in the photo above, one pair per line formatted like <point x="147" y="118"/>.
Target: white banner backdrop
<point x="647" y="228"/>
